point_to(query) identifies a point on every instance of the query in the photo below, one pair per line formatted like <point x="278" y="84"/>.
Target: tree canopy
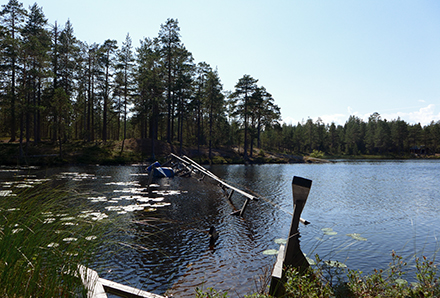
<point x="55" y="87"/>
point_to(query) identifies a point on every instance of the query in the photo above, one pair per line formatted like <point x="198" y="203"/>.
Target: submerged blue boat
<point x="160" y="172"/>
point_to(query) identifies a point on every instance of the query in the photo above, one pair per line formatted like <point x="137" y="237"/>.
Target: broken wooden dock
<point x="98" y="287"/>
<point x="186" y="166"/>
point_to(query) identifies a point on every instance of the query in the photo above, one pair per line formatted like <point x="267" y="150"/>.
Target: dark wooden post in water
<point x="291" y="255"/>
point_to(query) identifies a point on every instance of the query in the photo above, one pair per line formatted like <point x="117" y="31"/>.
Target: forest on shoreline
<point x="57" y="89"/>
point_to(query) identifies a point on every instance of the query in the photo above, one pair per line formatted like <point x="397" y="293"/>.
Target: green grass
<point x="42" y="241"/>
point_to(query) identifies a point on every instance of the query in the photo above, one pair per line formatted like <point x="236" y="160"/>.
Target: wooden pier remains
<point x="291" y="254"/>
<point x="191" y="166"/>
<point x="99" y="287"/>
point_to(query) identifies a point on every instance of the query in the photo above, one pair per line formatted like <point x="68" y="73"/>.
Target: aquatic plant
<point x="42" y="241"/>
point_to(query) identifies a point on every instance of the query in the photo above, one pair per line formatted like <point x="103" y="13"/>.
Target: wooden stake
<point x="291" y="255"/>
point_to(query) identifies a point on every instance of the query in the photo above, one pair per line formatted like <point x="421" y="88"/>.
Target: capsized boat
<point x="160" y="172"/>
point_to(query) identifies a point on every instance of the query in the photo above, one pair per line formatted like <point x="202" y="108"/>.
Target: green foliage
<point x="219" y="160"/>
<point x="210" y="293"/>
<point x="70" y="90"/>
<point x="40" y="248"/>
<point x="332" y="279"/>
<point x="317" y="154"/>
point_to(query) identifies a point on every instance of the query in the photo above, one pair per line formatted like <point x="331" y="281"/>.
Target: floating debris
<point x="89" y="238"/>
<point x="53" y="244"/>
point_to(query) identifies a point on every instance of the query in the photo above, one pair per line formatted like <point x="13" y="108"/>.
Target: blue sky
<point x="327" y="59"/>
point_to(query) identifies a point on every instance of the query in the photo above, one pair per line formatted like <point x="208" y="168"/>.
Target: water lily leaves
<point x="329" y="231"/>
<point x="311" y="261"/>
<point x="401" y="282"/>
<point x="335" y="264"/>
<point x="356" y="236"/>
<point x="280" y="241"/>
<point x="270" y="252"/>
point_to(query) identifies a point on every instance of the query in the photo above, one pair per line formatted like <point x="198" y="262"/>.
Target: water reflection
<point x="359" y="212"/>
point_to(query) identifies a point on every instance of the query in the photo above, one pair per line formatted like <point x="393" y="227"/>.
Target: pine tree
<point x="106" y="56"/>
<point x="169" y="38"/>
<point x="214" y="104"/>
<point x="124" y="68"/>
<point x="150" y="86"/>
<point x="241" y="102"/>
<point x="36" y="47"/>
<point x="12" y="18"/>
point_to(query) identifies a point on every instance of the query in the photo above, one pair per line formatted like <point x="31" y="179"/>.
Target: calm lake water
<point x="163" y="243"/>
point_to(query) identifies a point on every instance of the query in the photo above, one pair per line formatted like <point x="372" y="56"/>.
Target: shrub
<point x="317" y="154"/>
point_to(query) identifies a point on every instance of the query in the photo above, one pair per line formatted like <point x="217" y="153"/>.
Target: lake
<point x="163" y="243"/>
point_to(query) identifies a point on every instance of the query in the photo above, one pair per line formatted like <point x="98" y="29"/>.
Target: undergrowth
<point x="329" y="279"/>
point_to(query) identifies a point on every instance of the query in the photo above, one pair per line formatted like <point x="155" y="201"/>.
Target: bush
<point x="332" y="279"/>
<point x="317" y="154"/>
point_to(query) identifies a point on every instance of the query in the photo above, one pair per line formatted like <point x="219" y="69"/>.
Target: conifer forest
<point x="54" y="87"/>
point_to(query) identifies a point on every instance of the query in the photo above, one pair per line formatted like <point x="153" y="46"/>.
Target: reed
<point x="42" y="241"/>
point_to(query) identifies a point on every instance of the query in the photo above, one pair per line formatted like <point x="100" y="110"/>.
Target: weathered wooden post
<point x="291" y="255"/>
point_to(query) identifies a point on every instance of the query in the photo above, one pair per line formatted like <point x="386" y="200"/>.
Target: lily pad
<point x="311" y="261"/>
<point x="280" y="241"/>
<point x="401" y="282"/>
<point x="270" y="252"/>
<point x="356" y="236"/>
<point x="335" y="264"/>
<point x="329" y="231"/>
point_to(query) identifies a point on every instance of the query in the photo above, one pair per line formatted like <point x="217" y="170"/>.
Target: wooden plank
<point x="99" y="287"/>
<point x="126" y="291"/>
<point x="276" y="288"/>
<point x="90" y="279"/>
<point x="208" y="173"/>
<point x="188" y="161"/>
<point x="293" y="255"/>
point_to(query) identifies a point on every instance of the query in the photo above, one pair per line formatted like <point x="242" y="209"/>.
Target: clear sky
<point x="328" y="59"/>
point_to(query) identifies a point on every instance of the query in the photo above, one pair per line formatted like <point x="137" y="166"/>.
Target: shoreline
<point x="47" y="153"/>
